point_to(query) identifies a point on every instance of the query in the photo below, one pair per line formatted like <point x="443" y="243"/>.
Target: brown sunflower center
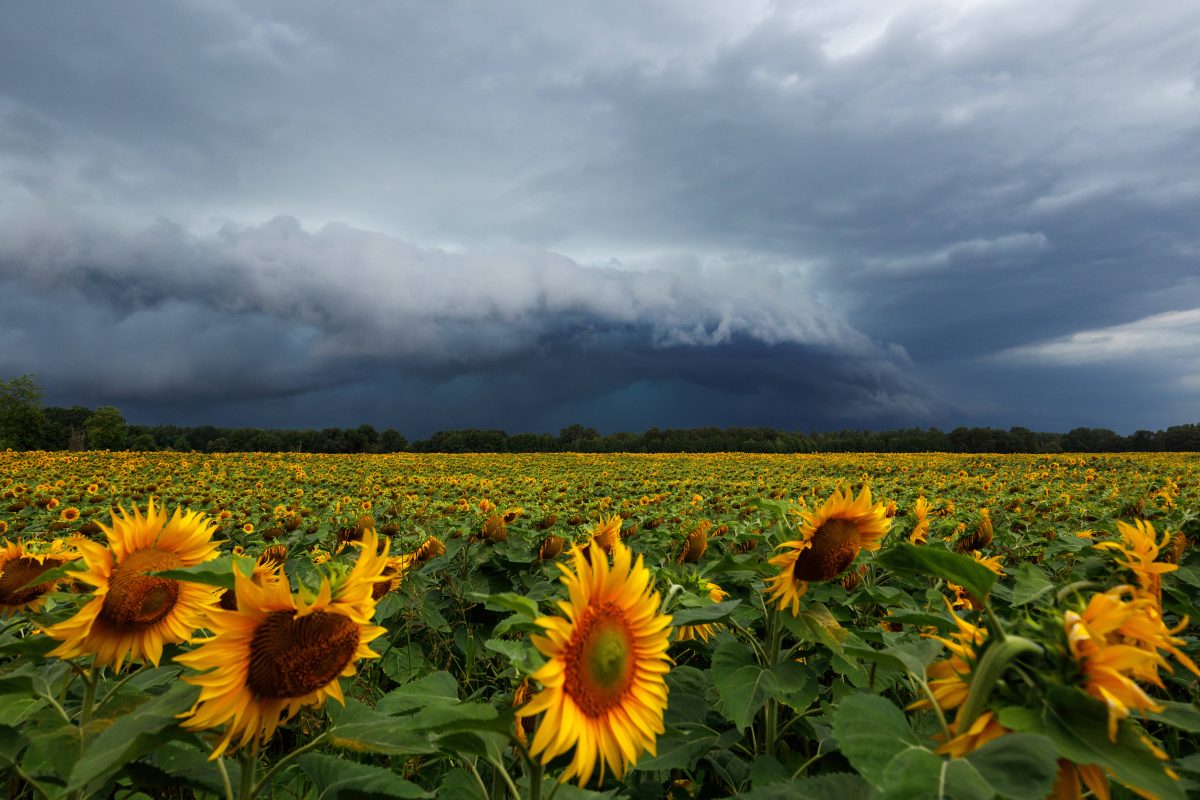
<point x="18" y="573"/>
<point x="136" y="599"/>
<point x="834" y="546"/>
<point x="293" y="656"/>
<point x="599" y="659"/>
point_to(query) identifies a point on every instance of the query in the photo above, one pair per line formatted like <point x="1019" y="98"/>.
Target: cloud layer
<point x="870" y="205"/>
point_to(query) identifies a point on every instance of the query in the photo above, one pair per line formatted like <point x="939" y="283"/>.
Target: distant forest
<point x="26" y="425"/>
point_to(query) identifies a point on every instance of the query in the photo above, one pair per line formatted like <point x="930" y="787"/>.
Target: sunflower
<point x="604" y="686"/>
<point x="133" y="613"/>
<point x="950" y="679"/>
<point x="1138" y="552"/>
<point x="1108" y="665"/>
<point x="694" y="545"/>
<point x="607" y="532"/>
<point x="920" y="532"/>
<point x="69" y="514"/>
<point x="279" y="652"/>
<point x="705" y="631"/>
<point x="21" y="565"/>
<point x="984" y="729"/>
<point x="830" y="539"/>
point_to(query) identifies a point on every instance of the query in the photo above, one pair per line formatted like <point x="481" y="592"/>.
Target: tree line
<point x="26" y="425"/>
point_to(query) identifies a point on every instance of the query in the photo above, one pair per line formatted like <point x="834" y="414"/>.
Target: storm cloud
<point x="795" y="214"/>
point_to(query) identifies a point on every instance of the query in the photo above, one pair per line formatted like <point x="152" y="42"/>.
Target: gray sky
<point x="521" y="215"/>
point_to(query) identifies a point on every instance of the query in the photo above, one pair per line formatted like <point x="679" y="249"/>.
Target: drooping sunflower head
<point x="21" y="565"/>
<point x="279" y="652"/>
<point x="920" y="531"/>
<point x="695" y="544"/>
<point x="432" y="547"/>
<point x="133" y="612"/>
<point x="603" y="686"/>
<point x="607" y="532"/>
<point x="829" y="540"/>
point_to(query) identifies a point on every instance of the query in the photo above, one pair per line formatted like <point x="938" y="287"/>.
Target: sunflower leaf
<point x="1031" y="584"/>
<point x="1017" y="765"/>
<point x="1077" y="724"/>
<point x="743" y="686"/>
<point x="507" y="601"/>
<point x="337" y="777"/>
<point x="132" y="735"/>
<point x="218" y="572"/>
<point x="701" y="615"/>
<point x="831" y="786"/>
<point x="936" y="562"/>
<point x="55" y="574"/>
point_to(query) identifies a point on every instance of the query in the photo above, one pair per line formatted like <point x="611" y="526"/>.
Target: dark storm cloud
<point x="246" y="314"/>
<point x="831" y="186"/>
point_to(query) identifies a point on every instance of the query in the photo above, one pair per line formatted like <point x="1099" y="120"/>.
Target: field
<point x="572" y="626"/>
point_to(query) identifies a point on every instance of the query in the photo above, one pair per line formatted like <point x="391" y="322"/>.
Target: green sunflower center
<point x="291" y="657"/>
<point x="18" y="573"/>
<point x="599" y="659"/>
<point x="834" y="546"/>
<point x="138" y="600"/>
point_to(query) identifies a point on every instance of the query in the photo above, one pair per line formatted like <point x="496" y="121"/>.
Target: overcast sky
<point x="809" y="215"/>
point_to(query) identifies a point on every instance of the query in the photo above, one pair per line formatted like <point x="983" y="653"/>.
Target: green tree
<point x="106" y="429"/>
<point x="21" y="415"/>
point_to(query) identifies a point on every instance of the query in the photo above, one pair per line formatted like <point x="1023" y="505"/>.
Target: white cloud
<point x="1170" y="336"/>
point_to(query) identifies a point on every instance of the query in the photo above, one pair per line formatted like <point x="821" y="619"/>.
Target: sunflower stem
<point x="535" y="781"/>
<point x="248" y="763"/>
<point x="225" y="778"/>
<point x="994" y="621"/>
<point x="937" y="709"/>
<point x="109" y="694"/>
<point x="283" y="762"/>
<point x="89" y="696"/>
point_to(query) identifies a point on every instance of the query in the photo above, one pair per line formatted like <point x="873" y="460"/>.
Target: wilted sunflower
<point x="830" y="539"/>
<point x="280" y="652"/>
<point x="21" y="565"/>
<point x="603" y="688"/>
<point x="133" y="613"/>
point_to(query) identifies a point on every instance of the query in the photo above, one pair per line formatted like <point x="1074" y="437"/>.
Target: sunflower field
<point x="180" y="625"/>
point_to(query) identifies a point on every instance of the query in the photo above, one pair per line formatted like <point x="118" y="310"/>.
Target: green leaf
<point x="12" y="742"/>
<point x="680" y="747"/>
<point x="55" y="574"/>
<point x="362" y="730"/>
<point x="1078" y="725"/>
<point x="701" y="615"/>
<point x="939" y="563"/>
<point x="337" y="777"/>
<point x="815" y="623"/>
<point x="871" y="747"/>
<point x="438" y="687"/>
<point x="831" y="786"/>
<point x="522" y="655"/>
<point x="402" y="664"/>
<point x="1185" y="716"/>
<point x="133" y="735"/>
<point x="218" y="572"/>
<point x="1017" y="765"/>
<point x="507" y="601"/>
<point x="744" y="686"/>
<point x="1031" y="584"/>
<point x="459" y="784"/>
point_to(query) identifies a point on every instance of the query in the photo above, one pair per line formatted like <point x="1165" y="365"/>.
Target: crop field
<point x="233" y="626"/>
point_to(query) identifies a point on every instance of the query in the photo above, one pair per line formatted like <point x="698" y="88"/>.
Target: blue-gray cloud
<point x="884" y="200"/>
